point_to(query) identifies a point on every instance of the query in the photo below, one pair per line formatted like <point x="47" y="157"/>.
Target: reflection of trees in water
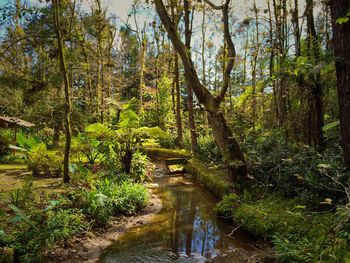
<point x="192" y="229"/>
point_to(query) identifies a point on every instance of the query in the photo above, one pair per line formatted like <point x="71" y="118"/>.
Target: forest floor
<point x="89" y="246"/>
<point x="12" y="176"/>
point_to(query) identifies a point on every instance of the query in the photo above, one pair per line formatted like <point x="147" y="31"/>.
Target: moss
<point x="4" y="167"/>
<point x="214" y="179"/>
<point x="164" y="152"/>
<point x="225" y="207"/>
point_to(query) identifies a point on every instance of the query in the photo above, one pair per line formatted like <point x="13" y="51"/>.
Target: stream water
<point x="185" y="230"/>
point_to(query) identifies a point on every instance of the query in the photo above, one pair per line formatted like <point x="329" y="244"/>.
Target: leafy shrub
<point x="169" y="142"/>
<point x="21" y="196"/>
<point x="37" y="229"/>
<point x="111" y="198"/>
<point x="297" y="170"/>
<point x="26" y="142"/>
<point x="86" y="146"/>
<point x="138" y="170"/>
<point x="207" y="149"/>
<point x="130" y="198"/>
<point x="40" y="159"/>
<point x="98" y="206"/>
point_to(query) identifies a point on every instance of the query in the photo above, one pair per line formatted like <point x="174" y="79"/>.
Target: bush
<point x="297" y="170"/>
<point x="37" y="229"/>
<point x="139" y="171"/>
<point x="21" y="196"/>
<point x="40" y="159"/>
<point x="207" y="149"/>
<point x="111" y="198"/>
<point x="130" y="198"/>
<point x="98" y="206"/>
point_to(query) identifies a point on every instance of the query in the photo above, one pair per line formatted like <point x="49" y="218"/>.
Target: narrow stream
<point x="185" y="230"/>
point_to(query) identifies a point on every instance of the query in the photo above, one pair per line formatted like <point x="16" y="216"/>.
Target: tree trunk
<point x="229" y="147"/>
<point x="142" y="65"/>
<point x="188" y="33"/>
<point x="341" y="36"/>
<point x="178" y="98"/>
<point x="67" y="91"/>
<point x="315" y="109"/>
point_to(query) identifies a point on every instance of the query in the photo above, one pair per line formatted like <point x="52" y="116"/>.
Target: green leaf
<point x="331" y="126"/>
<point x="21" y="216"/>
<point x="342" y="20"/>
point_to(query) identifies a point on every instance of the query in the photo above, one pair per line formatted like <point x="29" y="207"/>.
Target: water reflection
<point x="186" y="230"/>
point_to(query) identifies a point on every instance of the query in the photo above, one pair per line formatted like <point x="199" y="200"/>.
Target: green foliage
<point x="214" y="180"/>
<point x="98" y="130"/>
<point x="26" y="142"/>
<point x="21" y="196"/>
<point x="130" y="198"/>
<point x="139" y="167"/>
<point x="37" y="230"/>
<point x="343" y="20"/>
<point x="88" y="146"/>
<point x="98" y="206"/>
<point x="298" y="236"/>
<point x="133" y="104"/>
<point x="226" y="206"/>
<point x="332" y="131"/>
<point x="4" y="145"/>
<point x="207" y="149"/>
<point x="296" y="170"/>
<point x="129" y="119"/>
<point x="42" y="160"/>
<point x="111" y="197"/>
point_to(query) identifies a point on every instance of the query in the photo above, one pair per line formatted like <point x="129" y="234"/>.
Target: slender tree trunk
<point x="295" y="20"/>
<point x="178" y="98"/>
<point x="142" y="65"/>
<point x="188" y="34"/>
<point x="67" y="89"/>
<point x="205" y="117"/>
<point x="341" y="36"/>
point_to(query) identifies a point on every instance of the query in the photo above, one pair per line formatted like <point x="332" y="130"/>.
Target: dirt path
<point x="90" y="247"/>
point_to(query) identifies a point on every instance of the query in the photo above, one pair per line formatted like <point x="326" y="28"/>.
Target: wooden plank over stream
<point x="174" y="161"/>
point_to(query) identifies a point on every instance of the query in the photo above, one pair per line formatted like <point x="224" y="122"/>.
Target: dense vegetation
<point x="259" y="98"/>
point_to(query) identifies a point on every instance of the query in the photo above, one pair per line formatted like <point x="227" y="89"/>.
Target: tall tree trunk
<point x="315" y="109"/>
<point x="205" y="117"/>
<point x="67" y="89"/>
<point x="341" y="36"/>
<point x="142" y="65"/>
<point x="178" y="98"/>
<point x="229" y="147"/>
<point x="295" y="20"/>
<point x="254" y="65"/>
<point x="188" y="34"/>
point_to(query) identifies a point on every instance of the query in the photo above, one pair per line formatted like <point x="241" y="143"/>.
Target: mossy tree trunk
<point x="67" y="90"/>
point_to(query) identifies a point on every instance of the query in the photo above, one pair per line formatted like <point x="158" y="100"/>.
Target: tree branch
<point x="230" y="46"/>
<point x="203" y="95"/>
